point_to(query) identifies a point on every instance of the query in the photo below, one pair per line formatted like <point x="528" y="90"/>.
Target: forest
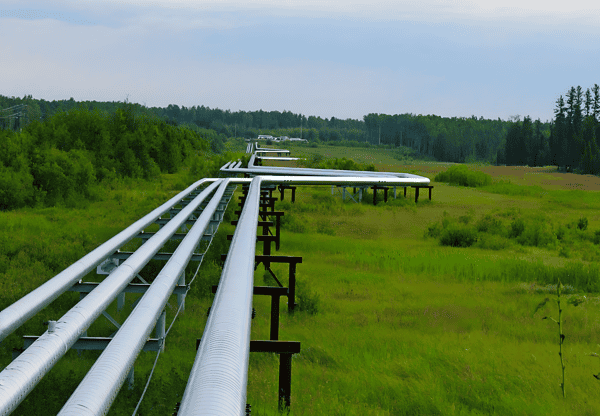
<point x="62" y="158"/>
<point x="102" y="138"/>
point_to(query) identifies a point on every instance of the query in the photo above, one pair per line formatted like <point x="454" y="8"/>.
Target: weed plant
<point x="561" y="336"/>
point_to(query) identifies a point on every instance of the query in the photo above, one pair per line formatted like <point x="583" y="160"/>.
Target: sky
<point x="341" y="58"/>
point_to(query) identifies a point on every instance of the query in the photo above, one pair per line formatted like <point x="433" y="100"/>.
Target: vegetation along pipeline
<point x="218" y="380"/>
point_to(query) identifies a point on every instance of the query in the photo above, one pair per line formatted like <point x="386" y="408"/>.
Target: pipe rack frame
<point x="19" y="312"/>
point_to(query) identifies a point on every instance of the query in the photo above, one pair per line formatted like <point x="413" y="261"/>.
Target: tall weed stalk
<point x="561" y="337"/>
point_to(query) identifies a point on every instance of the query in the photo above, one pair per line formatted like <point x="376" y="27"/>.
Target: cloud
<point x="549" y="12"/>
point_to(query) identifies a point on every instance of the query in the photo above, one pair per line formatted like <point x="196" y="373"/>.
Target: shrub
<point x="538" y="234"/>
<point x="465" y="219"/>
<point x="564" y="251"/>
<point x="292" y="223"/>
<point x="597" y="237"/>
<point x="434" y="230"/>
<point x="490" y="224"/>
<point x="492" y="242"/>
<point x="324" y="227"/>
<point x="517" y="227"/>
<point x="308" y="300"/>
<point x="461" y="175"/>
<point x="582" y="224"/>
<point x="457" y="236"/>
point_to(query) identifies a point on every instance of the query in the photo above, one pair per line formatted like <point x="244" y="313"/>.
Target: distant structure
<point x="14" y="117"/>
<point x="280" y="139"/>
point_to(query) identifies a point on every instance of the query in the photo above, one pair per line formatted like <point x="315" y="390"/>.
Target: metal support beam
<point x="160" y="329"/>
<point x="285" y="381"/>
<point x="130" y="378"/>
<point x="181" y="297"/>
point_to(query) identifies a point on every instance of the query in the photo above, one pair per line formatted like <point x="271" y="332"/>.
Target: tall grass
<point x="462" y="175"/>
<point x="403" y="325"/>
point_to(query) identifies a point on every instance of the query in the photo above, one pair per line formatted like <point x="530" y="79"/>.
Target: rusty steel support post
<point x="285" y="381"/>
<point x="292" y="288"/>
<point x="274" y="317"/>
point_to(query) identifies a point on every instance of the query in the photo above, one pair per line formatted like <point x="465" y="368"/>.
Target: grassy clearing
<point x="394" y="322"/>
<point x="410" y="327"/>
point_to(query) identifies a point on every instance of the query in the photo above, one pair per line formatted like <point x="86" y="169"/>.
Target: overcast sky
<point x="341" y="58"/>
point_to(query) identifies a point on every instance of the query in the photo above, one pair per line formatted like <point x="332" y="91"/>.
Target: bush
<point x="582" y="224"/>
<point x="292" y="223"/>
<point x="324" y="227"/>
<point x="492" y="242"/>
<point x="457" y="236"/>
<point x="561" y="233"/>
<point x="597" y="237"/>
<point x="308" y="300"/>
<point x="434" y="230"/>
<point x="537" y="234"/>
<point x="461" y="175"/>
<point x="490" y="224"/>
<point x="517" y="227"/>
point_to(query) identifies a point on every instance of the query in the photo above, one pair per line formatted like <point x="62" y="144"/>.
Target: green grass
<point x="394" y="322"/>
<point x="462" y="175"/>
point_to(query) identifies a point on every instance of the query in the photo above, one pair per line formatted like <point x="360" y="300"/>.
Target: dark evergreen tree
<point x="560" y="133"/>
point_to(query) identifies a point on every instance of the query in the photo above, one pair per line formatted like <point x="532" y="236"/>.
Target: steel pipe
<point x="96" y="392"/>
<point x="21" y="375"/>
<point x="19" y="312"/>
<point x="217" y="383"/>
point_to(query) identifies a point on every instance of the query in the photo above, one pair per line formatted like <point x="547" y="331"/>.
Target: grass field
<point x="403" y="324"/>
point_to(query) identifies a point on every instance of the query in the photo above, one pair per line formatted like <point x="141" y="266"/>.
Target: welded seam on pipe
<point x="19" y="312"/>
<point x="21" y="375"/>
<point x="218" y="380"/>
<point x="96" y="392"/>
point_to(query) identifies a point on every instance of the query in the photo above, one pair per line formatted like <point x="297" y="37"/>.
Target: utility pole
<point x="380" y="135"/>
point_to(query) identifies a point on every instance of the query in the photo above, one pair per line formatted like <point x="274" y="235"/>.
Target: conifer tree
<point x="560" y="132"/>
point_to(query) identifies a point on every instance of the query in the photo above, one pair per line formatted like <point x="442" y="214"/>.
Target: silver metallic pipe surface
<point x="19" y="312"/>
<point x="413" y="180"/>
<point x="258" y="149"/>
<point x="275" y="170"/>
<point x="218" y="380"/>
<point x="271" y="151"/>
<point x="336" y="180"/>
<point x="21" y="375"/>
<point x="275" y="158"/>
<point x="271" y="170"/>
<point x="102" y="383"/>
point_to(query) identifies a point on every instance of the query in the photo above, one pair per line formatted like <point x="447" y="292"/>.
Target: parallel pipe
<point x="96" y="392"/>
<point x="217" y="383"/>
<point x="22" y="375"/>
<point x="19" y="312"/>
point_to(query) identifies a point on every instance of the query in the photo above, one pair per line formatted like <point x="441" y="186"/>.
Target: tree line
<point x="572" y="142"/>
<point x="63" y="157"/>
<point x="454" y="139"/>
<point x="569" y="141"/>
